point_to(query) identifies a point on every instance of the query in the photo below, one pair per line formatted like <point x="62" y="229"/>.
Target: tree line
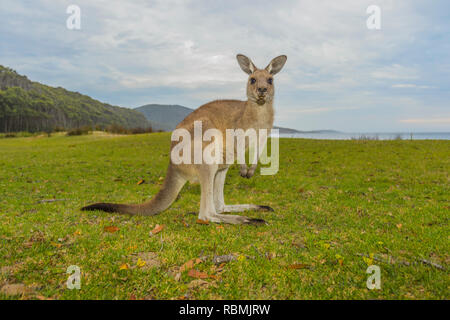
<point x="31" y="106"/>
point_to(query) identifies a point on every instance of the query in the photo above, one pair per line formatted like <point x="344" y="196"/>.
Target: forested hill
<point x="31" y="106"/>
<point x="164" y="117"/>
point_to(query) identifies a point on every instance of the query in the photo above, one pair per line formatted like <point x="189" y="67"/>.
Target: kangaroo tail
<point x="164" y="198"/>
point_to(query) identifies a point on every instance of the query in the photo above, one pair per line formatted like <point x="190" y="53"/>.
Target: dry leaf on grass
<point x="140" y="263"/>
<point x="124" y="266"/>
<point x="223" y="259"/>
<point x="111" y="229"/>
<point x="15" y="289"/>
<point x="200" y="283"/>
<point x="197" y="274"/>
<point x="340" y="259"/>
<point x="133" y="247"/>
<point x="368" y="260"/>
<point x="146" y="260"/>
<point x="37" y="236"/>
<point x="56" y="245"/>
<point x="39" y="297"/>
<point x="299" y="266"/>
<point x="190" y="264"/>
<point x="200" y="221"/>
<point x="140" y="182"/>
<point x="6" y="269"/>
<point x="175" y="273"/>
<point x="270" y="255"/>
<point x="11" y="269"/>
<point x="158" y="228"/>
<point x="28" y="244"/>
<point x="299" y="244"/>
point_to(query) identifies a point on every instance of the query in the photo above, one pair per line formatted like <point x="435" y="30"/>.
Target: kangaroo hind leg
<point x="221" y="207"/>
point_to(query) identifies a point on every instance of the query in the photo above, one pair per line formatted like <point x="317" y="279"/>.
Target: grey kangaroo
<point x="257" y="113"/>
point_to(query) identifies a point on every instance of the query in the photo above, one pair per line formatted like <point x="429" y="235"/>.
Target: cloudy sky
<point x="339" y="74"/>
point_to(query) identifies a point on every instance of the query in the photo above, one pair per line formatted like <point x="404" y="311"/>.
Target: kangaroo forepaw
<point x="247" y="173"/>
<point x="243" y="173"/>
<point x="250" y="173"/>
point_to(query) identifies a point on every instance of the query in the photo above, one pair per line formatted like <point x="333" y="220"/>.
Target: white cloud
<point x="411" y="85"/>
<point x="189" y="48"/>
<point x="302" y="109"/>
<point x="427" y="120"/>
<point x="395" y="72"/>
<point x="188" y="44"/>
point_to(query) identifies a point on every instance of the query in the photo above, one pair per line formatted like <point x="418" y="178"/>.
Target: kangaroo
<point x="257" y="113"/>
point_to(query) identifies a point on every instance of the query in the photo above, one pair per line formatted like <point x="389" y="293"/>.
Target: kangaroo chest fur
<point x="257" y="117"/>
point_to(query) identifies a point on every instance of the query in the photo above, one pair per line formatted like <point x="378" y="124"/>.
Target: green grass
<point x="334" y="201"/>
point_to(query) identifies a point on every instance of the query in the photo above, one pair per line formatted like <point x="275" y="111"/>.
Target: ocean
<point x="370" y="136"/>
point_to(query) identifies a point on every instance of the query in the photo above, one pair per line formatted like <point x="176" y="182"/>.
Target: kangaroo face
<point x="260" y="81"/>
<point x="260" y="87"/>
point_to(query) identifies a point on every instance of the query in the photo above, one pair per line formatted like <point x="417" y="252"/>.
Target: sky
<point x="339" y="74"/>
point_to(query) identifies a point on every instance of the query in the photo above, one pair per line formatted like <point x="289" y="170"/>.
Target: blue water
<point x="379" y="136"/>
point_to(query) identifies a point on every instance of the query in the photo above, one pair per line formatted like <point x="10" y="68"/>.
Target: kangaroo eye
<point x="252" y="80"/>
<point x="270" y="81"/>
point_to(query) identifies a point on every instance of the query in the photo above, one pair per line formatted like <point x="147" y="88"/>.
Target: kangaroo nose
<point x="262" y="90"/>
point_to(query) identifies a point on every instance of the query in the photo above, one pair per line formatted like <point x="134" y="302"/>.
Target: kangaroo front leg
<point x="248" y="172"/>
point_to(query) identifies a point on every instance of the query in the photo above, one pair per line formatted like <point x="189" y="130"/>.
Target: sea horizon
<point x="369" y="135"/>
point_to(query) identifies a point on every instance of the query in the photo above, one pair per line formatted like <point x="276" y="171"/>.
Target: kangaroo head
<point x="260" y="85"/>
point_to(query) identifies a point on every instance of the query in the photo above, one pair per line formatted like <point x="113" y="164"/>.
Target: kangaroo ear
<point x="276" y="64"/>
<point x="246" y="64"/>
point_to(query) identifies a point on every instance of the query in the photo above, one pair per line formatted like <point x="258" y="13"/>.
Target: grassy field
<point x="339" y="207"/>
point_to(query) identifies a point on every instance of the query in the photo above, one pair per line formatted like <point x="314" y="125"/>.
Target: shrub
<point x="20" y="134"/>
<point x="141" y="130"/>
<point x="79" y="131"/>
<point x="10" y="135"/>
<point x="364" y="137"/>
<point x="117" y="129"/>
